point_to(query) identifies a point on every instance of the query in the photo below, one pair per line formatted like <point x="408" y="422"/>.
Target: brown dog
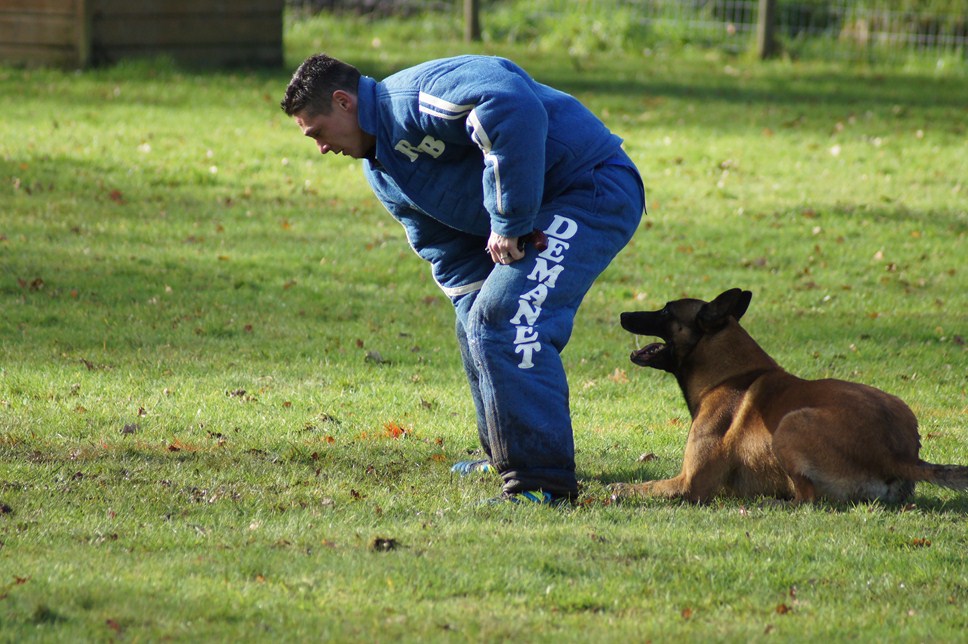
<point x="757" y="430"/>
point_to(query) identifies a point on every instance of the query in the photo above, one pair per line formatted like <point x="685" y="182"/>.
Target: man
<point x="470" y="155"/>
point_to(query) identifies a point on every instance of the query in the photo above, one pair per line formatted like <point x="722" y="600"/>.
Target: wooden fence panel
<point x="42" y="32"/>
<point x="207" y="32"/>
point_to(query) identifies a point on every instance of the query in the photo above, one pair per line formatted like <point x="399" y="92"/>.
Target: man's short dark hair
<point x="311" y="89"/>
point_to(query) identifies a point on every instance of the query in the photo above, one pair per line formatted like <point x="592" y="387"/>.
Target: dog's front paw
<point x="621" y="491"/>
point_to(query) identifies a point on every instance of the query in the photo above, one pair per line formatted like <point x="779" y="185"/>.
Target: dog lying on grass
<point x="760" y="431"/>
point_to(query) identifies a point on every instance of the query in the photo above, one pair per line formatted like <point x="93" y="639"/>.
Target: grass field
<point x="230" y="396"/>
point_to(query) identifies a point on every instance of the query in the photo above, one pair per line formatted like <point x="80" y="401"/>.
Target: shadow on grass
<point x="958" y="505"/>
<point x="809" y="88"/>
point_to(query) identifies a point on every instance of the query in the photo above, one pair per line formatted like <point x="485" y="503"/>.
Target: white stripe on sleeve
<point x="444" y="109"/>
<point x="484" y="141"/>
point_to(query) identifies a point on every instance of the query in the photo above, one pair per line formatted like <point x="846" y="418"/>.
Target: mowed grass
<point x="230" y="395"/>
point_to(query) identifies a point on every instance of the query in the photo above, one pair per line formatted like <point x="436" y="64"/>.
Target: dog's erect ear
<point x="732" y="303"/>
<point x="742" y="303"/>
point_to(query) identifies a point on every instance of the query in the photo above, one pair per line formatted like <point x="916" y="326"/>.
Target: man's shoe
<point x="530" y="497"/>
<point x="469" y="467"/>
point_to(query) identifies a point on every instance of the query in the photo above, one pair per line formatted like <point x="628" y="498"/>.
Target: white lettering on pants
<point x="547" y="267"/>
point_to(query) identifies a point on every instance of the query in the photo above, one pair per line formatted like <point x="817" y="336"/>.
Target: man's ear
<point x="343" y="100"/>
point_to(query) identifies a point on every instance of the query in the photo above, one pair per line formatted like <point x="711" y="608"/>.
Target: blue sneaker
<point x="530" y="497"/>
<point x="469" y="467"/>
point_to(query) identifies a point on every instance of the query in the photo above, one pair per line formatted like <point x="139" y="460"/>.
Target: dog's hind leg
<point x="804" y="490"/>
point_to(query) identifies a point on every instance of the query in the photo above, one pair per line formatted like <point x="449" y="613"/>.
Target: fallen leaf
<point x="35" y="284"/>
<point x="686" y="613"/>
<point x="393" y="430"/>
<point x="383" y="544"/>
<point x="178" y="446"/>
<point x="619" y="376"/>
<point x="783" y="609"/>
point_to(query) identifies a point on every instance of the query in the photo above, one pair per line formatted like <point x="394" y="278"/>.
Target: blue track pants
<point x="512" y="331"/>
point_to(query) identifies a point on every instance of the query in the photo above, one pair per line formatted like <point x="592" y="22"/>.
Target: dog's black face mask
<point x="681" y="324"/>
<point x="657" y="355"/>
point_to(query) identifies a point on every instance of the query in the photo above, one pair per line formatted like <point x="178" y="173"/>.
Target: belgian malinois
<point x="760" y="431"/>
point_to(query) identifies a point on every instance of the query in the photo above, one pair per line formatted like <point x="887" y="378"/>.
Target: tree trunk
<point x="472" y="20"/>
<point x="766" y="30"/>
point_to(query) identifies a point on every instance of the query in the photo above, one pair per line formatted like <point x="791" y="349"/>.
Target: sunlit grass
<point x="230" y="396"/>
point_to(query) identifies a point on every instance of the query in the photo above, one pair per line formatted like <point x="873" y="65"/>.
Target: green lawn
<point x="230" y="395"/>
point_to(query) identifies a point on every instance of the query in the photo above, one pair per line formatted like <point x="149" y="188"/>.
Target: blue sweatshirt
<point x="473" y="144"/>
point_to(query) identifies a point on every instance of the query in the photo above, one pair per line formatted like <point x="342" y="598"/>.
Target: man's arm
<point x="495" y="105"/>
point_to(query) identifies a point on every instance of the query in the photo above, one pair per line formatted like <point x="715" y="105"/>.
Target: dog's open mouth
<point x="656" y="355"/>
<point x="647" y="353"/>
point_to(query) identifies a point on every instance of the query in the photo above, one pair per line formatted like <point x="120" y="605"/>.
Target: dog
<point x="760" y="431"/>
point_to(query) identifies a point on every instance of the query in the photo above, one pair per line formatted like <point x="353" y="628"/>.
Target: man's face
<point x="339" y="131"/>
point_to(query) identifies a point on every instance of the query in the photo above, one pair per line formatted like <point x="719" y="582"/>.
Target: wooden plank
<point x="37" y="6"/>
<point x="170" y="7"/>
<point x="82" y="40"/>
<point x="215" y="56"/>
<point x="36" y="55"/>
<point x="172" y="31"/>
<point x="51" y="31"/>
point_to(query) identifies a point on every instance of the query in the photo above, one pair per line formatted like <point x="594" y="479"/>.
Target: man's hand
<point x="503" y="250"/>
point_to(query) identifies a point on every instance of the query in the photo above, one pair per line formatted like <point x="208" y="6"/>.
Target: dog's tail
<point x="950" y="476"/>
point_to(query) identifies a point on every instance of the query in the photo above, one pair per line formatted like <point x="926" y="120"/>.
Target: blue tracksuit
<point x="470" y="145"/>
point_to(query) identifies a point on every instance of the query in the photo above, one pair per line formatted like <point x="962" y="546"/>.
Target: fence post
<point x="766" y="29"/>
<point x="82" y="41"/>
<point x="472" y="20"/>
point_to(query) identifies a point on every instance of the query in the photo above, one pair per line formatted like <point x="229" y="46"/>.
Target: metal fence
<point x="849" y="22"/>
<point x="876" y="27"/>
